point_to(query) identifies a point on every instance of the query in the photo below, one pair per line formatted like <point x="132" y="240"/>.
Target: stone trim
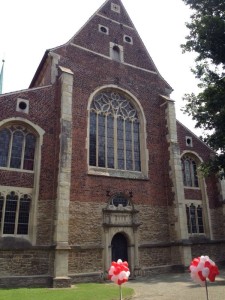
<point x="61" y="235"/>
<point x="176" y="176"/>
<point x="26" y="90"/>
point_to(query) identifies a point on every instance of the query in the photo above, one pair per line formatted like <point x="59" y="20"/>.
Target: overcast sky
<point x="30" y="27"/>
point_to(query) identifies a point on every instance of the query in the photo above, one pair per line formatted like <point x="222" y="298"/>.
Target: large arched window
<point x="114" y="133"/>
<point x="17" y="147"/>
<point x="189" y="169"/>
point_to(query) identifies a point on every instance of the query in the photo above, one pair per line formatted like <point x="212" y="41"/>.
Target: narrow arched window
<point x="17" y="147"/>
<point x="114" y="140"/>
<point x="116" y="53"/>
<point x="189" y="169"/>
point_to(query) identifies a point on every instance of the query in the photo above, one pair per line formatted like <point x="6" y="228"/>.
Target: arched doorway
<point x="119" y="247"/>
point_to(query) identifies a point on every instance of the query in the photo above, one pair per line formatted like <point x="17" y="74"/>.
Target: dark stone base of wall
<point x="87" y="277"/>
<point x="25" y="281"/>
<point x="62" y="282"/>
<point x="138" y="272"/>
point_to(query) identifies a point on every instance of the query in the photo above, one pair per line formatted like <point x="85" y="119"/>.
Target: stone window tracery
<point x="114" y="140"/>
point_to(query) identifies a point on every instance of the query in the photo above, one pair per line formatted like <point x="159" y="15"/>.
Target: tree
<point x="207" y="39"/>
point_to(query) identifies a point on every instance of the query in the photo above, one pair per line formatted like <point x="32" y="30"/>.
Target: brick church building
<point x="95" y="167"/>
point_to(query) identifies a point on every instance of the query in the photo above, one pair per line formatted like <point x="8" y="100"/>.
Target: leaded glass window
<point x="194" y="219"/>
<point x="10" y="213"/>
<point x="5" y="136"/>
<point x="14" y="213"/>
<point x="114" y="132"/>
<point x="189" y="169"/>
<point x="17" y="148"/>
<point x="28" y="163"/>
<point x="23" y="218"/>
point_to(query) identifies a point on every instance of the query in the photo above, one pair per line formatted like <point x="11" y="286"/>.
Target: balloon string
<point x="206" y="287"/>
<point x="121" y="292"/>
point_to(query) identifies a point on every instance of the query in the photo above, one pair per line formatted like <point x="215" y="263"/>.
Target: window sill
<point x="197" y="235"/>
<point x="192" y="188"/>
<point x="116" y="173"/>
<point x="16" y="170"/>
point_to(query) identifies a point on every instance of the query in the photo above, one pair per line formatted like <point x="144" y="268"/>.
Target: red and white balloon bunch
<point x="202" y="268"/>
<point x="119" y="272"/>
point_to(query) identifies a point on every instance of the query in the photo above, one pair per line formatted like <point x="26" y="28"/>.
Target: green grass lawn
<point x="92" y="291"/>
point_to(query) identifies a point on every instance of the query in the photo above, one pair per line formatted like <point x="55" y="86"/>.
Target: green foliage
<point x="207" y="39"/>
<point x="207" y="30"/>
<point x="78" y="292"/>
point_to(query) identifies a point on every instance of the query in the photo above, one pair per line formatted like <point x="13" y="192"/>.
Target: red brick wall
<point x="94" y="187"/>
<point x="18" y="179"/>
<point x="43" y="111"/>
<point x="194" y="194"/>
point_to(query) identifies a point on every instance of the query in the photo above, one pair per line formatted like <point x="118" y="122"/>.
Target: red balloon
<point x="117" y="271"/>
<point x="201" y="276"/>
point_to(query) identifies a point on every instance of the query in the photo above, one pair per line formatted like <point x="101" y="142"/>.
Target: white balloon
<point x="111" y="270"/>
<point x="200" y="265"/>
<point x="122" y="275"/>
<point x="205" y="272"/>
<point x="193" y="269"/>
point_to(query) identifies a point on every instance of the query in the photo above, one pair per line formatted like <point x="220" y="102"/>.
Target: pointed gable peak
<point x="114" y="10"/>
<point x="110" y="35"/>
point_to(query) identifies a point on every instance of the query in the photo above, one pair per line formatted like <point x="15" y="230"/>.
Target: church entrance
<point x="119" y="247"/>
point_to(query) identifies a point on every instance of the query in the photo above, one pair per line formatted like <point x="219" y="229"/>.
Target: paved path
<point x="175" y="286"/>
